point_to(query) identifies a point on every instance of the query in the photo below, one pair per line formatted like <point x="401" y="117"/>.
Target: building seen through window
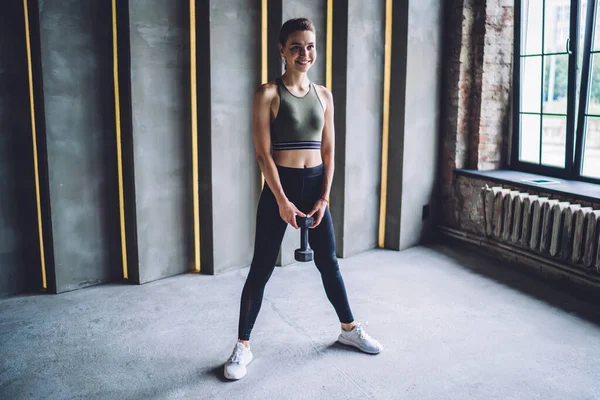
<point x="550" y="102"/>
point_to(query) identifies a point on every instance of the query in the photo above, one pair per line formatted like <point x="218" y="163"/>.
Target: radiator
<point x="563" y="231"/>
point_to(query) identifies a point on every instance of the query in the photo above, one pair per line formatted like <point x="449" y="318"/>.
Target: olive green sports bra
<point x="300" y="120"/>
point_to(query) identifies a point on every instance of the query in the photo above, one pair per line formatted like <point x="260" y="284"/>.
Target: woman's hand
<point x="288" y="212"/>
<point x="318" y="211"/>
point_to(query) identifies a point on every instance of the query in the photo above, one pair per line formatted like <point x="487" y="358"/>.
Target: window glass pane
<point x="593" y="106"/>
<point x="556" y="25"/>
<point x="597" y="30"/>
<point x="554" y="136"/>
<point x="531" y="84"/>
<point x="530" y="139"/>
<point x="582" y="17"/>
<point x="531" y="27"/>
<point x="556" y="81"/>
<point x="591" y="150"/>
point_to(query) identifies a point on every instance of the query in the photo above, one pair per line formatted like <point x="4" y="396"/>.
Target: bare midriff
<point x="298" y="158"/>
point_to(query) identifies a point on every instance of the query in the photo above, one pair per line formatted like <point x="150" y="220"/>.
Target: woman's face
<point x="300" y="52"/>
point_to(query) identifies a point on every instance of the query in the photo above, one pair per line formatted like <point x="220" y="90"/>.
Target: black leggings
<point x="302" y="187"/>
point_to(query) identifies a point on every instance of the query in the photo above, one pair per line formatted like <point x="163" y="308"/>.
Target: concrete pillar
<point x="413" y="126"/>
<point x="79" y="121"/>
<point x="19" y="257"/>
<point x="160" y="139"/>
<point x="358" y="95"/>
<point x="229" y="173"/>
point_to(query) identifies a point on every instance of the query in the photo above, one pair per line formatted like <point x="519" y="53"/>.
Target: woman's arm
<point x="262" y="145"/>
<point x="328" y="156"/>
<point x="328" y="145"/>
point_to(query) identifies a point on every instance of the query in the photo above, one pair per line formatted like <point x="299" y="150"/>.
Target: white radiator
<point x="566" y="232"/>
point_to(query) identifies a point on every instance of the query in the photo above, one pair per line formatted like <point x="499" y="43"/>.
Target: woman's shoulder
<point x="324" y="92"/>
<point x="266" y="90"/>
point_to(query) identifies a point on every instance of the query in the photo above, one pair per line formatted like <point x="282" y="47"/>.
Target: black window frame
<point x="575" y="112"/>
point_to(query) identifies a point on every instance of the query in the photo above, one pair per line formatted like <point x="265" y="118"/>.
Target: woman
<point x="294" y="144"/>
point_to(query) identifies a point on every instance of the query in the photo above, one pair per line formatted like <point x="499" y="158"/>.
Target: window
<point x="557" y="97"/>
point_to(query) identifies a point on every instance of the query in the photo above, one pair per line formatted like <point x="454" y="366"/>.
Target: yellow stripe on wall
<point x="119" y="149"/>
<point x="264" y="70"/>
<point x="386" y="120"/>
<point x="194" y="102"/>
<point x="264" y="44"/>
<point x="35" y="152"/>
<point x="329" y="45"/>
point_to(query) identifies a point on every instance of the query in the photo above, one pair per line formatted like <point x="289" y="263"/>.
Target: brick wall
<point x="475" y="93"/>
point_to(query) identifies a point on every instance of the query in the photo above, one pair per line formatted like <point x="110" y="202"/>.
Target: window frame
<point x="586" y="75"/>
<point x="575" y="126"/>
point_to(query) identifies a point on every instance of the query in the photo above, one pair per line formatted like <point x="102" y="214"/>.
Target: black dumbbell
<point x="304" y="253"/>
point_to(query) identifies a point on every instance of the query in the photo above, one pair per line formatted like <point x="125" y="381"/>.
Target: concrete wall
<point x="73" y="74"/>
<point x="231" y="190"/>
<point x="358" y="96"/>
<point x="161" y="133"/>
<point x="414" y="120"/>
<point x="19" y="258"/>
<point x="76" y="59"/>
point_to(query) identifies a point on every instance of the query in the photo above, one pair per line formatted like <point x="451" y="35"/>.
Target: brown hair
<point x="292" y="25"/>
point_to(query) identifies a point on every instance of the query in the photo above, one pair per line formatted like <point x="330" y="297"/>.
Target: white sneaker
<point x="360" y="339"/>
<point x="235" y="367"/>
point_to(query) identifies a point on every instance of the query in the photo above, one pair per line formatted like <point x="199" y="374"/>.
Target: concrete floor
<point x="454" y="326"/>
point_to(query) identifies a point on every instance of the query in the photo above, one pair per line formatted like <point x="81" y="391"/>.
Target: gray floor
<point x="454" y="326"/>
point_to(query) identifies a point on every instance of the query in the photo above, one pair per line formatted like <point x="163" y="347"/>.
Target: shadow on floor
<point x="561" y="294"/>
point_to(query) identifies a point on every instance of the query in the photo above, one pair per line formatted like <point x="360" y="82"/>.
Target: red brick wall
<point x="476" y="85"/>
<point x="494" y="120"/>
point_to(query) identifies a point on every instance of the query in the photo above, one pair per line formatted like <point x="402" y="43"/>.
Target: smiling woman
<point x="294" y="145"/>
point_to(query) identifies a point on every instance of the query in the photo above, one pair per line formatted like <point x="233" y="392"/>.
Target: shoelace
<point x="236" y="356"/>
<point x="361" y="332"/>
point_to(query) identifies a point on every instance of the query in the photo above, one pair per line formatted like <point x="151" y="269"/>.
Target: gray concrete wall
<point x="161" y="129"/>
<point x="423" y="80"/>
<point x="232" y="189"/>
<point x="339" y="90"/>
<point x="414" y="114"/>
<point x="363" y="127"/>
<point x="19" y="258"/>
<point x="73" y="69"/>
<point x="76" y="59"/>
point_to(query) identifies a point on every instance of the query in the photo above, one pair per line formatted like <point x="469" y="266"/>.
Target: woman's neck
<point x="295" y="79"/>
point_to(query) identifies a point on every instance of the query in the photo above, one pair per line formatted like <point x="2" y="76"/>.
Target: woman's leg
<point x="322" y="241"/>
<point x="270" y="229"/>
